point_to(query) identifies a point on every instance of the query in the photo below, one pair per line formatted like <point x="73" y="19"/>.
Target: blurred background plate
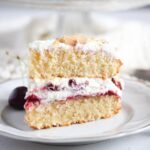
<point x="80" y="4"/>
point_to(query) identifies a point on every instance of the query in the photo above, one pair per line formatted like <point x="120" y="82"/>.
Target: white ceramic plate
<point x="134" y="118"/>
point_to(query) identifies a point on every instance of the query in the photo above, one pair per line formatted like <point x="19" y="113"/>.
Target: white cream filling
<point x="95" y="86"/>
<point x="48" y="45"/>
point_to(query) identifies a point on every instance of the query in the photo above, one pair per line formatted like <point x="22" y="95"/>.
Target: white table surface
<point x="135" y="142"/>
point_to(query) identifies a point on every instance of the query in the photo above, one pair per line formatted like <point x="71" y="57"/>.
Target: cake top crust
<point x="77" y="42"/>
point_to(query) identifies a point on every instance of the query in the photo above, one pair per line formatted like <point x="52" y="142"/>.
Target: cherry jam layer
<point x="33" y="100"/>
<point x="71" y="89"/>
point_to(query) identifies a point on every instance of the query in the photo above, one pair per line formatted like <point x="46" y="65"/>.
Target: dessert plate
<point x="134" y="118"/>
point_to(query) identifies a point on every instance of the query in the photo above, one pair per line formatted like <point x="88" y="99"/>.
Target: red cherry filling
<point x="72" y="83"/>
<point x="117" y="83"/>
<point x="51" y="87"/>
<point x="109" y="93"/>
<point x="31" y="101"/>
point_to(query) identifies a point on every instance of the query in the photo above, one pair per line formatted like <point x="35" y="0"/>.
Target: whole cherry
<point x="17" y="98"/>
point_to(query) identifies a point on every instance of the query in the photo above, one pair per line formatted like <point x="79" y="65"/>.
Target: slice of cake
<point x="71" y="80"/>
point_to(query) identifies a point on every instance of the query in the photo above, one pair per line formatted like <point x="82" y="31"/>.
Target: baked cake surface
<point x="72" y="80"/>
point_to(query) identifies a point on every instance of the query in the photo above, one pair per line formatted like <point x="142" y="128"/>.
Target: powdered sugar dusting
<point x="48" y="45"/>
<point x="92" y="45"/>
